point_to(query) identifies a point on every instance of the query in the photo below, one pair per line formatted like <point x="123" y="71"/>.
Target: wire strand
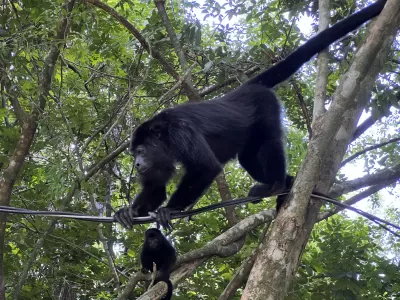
<point x="184" y="214"/>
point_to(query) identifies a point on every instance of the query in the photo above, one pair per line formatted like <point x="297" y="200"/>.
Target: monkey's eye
<point x="140" y="151"/>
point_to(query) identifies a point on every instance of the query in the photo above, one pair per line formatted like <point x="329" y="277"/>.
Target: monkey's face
<point x="152" y="163"/>
<point x="153" y="238"/>
<point x="142" y="163"/>
<point x="153" y="243"/>
<point x="153" y="160"/>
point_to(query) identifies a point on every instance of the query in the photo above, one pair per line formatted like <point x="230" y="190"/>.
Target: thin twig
<point x="303" y="107"/>
<point x="176" y="85"/>
<point x="153" y="52"/>
<point x="71" y="134"/>
<point x="103" y="240"/>
<point x="356" y="198"/>
<point x="153" y="276"/>
<point x="124" y="108"/>
<point x="365" y="150"/>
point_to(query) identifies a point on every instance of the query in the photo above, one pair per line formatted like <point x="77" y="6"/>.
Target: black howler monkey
<point x="156" y="248"/>
<point x="204" y="136"/>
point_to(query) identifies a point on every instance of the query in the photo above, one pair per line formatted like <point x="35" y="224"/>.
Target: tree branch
<point x="160" y="288"/>
<point x="99" y="165"/>
<point x="233" y="234"/>
<point x="99" y="259"/>
<point x="368" y="180"/>
<point x="303" y="107"/>
<point x="160" y="4"/>
<point x="69" y="129"/>
<point x="119" y="116"/>
<point x="131" y="284"/>
<point x="224" y="245"/>
<point x="177" y="84"/>
<point x="110" y="260"/>
<point x="225" y="195"/>
<point x="19" y="112"/>
<point x="104" y="241"/>
<point x="363" y="127"/>
<point x="365" y="150"/>
<point x="240" y="277"/>
<point x="153" y="52"/>
<point x="46" y="76"/>
<point x="242" y="273"/>
<point x="322" y="63"/>
<point x="353" y="200"/>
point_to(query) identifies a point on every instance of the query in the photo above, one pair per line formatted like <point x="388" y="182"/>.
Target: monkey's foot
<point x="265" y="190"/>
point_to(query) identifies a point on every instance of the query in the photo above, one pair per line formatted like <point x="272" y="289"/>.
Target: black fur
<point x="156" y="248"/>
<point x="204" y="136"/>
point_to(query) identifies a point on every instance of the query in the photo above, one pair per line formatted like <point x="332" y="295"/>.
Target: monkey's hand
<point x="125" y="216"/>
<point x="163" y="217"/>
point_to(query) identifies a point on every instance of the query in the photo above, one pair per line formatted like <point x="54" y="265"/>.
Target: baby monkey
<point x="157" y="249"/>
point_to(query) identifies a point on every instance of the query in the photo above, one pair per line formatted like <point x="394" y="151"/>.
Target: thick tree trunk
<point x="7" y="180"/>
<point x="277" y="263"/>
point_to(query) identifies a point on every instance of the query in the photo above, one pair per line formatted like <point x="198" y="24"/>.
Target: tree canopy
<point x="76" y="77"/>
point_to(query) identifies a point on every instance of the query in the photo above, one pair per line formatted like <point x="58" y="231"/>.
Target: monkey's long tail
<point x="287" y="67"/>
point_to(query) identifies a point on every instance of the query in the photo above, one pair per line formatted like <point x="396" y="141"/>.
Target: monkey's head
<point x="148" y="145"/>
<point x="153" y="238"/>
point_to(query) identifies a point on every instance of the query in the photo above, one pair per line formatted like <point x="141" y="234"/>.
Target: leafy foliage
<point x="105" y="83"/>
